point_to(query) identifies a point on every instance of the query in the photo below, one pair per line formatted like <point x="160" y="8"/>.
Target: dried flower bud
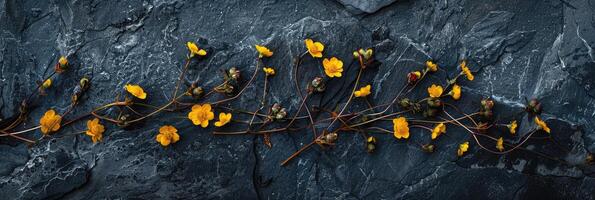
<point x="197" y="92"/>
<point x="371" y="144"/>
<point x="430" y="112"/>
<point x="428" y="148"/>
<point x="413" y="77"/>
<point x="589" y="159"/>
<point x="434" y="103"/>
<point x="331" y="138"/>
<point x="84" y="83"/>
<point x="317" y="84"/>
<point x="405" y="103"/>
<point x="123" y="120"/>
<point x="281" y="114"/>
<point x="234" y="73"/>
<point x="275" y="108"/>
<point x="62" y="65"/>
<point x="486" y="114"/>
<point x="482" y="127"/>
<point x="534" y="106"/>
<point x="487" y="104"/>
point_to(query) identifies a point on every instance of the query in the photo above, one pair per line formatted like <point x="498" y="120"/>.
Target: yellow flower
<point x="63" y="61"/>
<point x="167" y="135"/>
<point x="332" y="67"/>
<point x="201" y="114"/>
<point x="435" y="91"/>
<point x="456" y="92"/>
<point x="431" y="66"/>
<point x="224" y="118"/>
<point x="263" y="51"/>
<point x="363" y="91"/>
<point x="50" y="122"/>
<point x="401" y="128"/>
<point x="438" y="130"/>
<point x="463" y="147"/>
<point x="136" y="91"/>
<point x="500" y="144"/>
<point x="541" y="125"/>
<point x="512" y="127"/>
<point x="466" y="70"/>
<point x="194" y="50"/>
<point x="95" y="130"/>
<point x="314" y="48"/>
<point x="47" y="83"/>
<point x="269" y="71"/>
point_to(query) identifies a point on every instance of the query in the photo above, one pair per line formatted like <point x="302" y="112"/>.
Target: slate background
<point x="533" y="49"/>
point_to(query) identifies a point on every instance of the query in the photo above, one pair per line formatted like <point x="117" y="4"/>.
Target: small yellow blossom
<point x="167" y="135"/>
<point x="456" y="92"/>
<point x="463" y="147"/>
<point x="435" y="91"/>
<point x="332" y="67"/>
<point x="136" y="91"/>
<point x="401" y="128"/>
<point x="263" y="51"/>
<point x="314" y="48"/>
<point x="47" y="83"/>
<point x="224" y="118"/>
<point x="466" y="71"/>
<point x="63" y="61"/>
<point x="269" y="71"/>
<point x="363" y="91"/>
<point x="194" y="50"/>
<point x="542" y="125"/>
<point x="431" y="66"/>
<point x="50" y="122"/>
<point x="512" y="127"/>
<point x="438" y="130"/>
<point x="95" y="130"/>
<point x="500" y="144"/>
<point x="201" y="115"/>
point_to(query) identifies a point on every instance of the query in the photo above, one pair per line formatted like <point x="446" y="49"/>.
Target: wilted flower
<point x="269" y="71"/>
<point x="95" y="130"/>
<point x="332" y="67"/>
<point x="136" y="91"/>
<point x="224" y="118"/>
<point x="62" y="65"/>
<point x="363" y="91"/>
<point x="541" y="125"/>
<point x="194" y="50"/>
<point x="500" y="144"/>
<point x="401" y="128"/>
<point x="465" y="70"/>
<point x="413" y="77"/>
<point x="167" y="135"/>
<point x="263" y="51"/>
<point x="50" y="122"/>
<point x="435" y="91"/>
<point x="463" y="147"/>
<point x="438" y="130"/>
<point x="431" y="66"/>
<point x="512" y="127"/>
<point x="314" y="48"/>
<point x="455" y="92"/>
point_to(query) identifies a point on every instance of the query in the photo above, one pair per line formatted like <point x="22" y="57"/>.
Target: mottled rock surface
<point x="518" y="49"/>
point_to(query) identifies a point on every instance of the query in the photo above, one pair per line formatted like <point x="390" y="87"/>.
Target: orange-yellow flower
<point x="401" y="128"/>
<point x="263" y="51"/>
<point x="500" y="144"/>
<point x="224" y="118"/>
<point x="167" y="135"/>
<point x="435" y="91"/>
<point x="466" y="71"/>
<point x="50" y="122"/>
<point x="463" y="147"/>
<point x="47" y="83"/>
<point x="194" y="50"/>
<point x="332" y="67"/>
<point x="136" y="91"/>
<point x="95" y="130"/>
<point x="431" y="66"/>
<point x="438" y="130"/>
<point x="314" y="48"/>
<point x="512" y="127"/>
<point x="456" y="92"/>
<point x="63" y="61"/>
<point x="269" y="71"/>
<point x="201" y="115"/>
<point x="542" y="125"/>
<point x="363" y="91"/>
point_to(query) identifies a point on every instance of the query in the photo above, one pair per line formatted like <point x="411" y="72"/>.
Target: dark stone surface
<point x="518" y="48"/>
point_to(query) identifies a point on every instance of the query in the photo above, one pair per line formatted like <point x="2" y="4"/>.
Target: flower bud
<point x="355" y="55"/>
<point x="371" y="144"/>
<point x="197" y="92"/>
<point x="413" y="77"/>
<point x="62" y="65"/>
<point x="368" y="54"/>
